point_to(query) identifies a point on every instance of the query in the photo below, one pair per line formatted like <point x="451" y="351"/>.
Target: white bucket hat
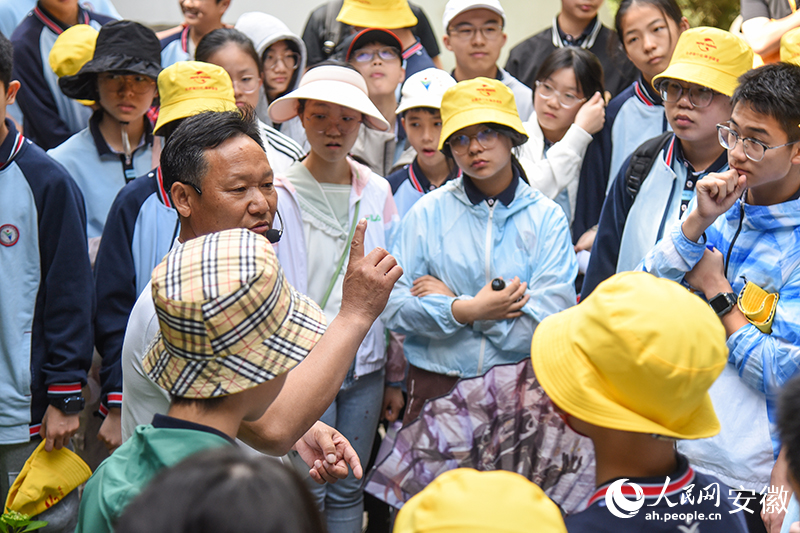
<point x="425" y="89"/>
<point x="455" y="7"/>
<point x="333" y="84"/>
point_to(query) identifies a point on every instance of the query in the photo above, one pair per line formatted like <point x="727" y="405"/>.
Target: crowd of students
<point x="272" y="243"/>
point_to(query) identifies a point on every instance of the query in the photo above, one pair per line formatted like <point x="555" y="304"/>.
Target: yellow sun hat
<point x="188" y="88"/>
<point x="639" y="354"/>
<point x="790" y="46"/>
<point x="478" y="101"/>
<point x="467" y="501"/>
<point x="709" y="57"/>
<point x="73" y="49"/>
<point x="389" y="14"/>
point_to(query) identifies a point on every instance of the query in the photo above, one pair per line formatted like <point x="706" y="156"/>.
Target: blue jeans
<point x="355" y="413"/>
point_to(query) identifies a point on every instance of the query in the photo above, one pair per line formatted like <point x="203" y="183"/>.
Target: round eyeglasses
<point x="136" y="83"/>
<point x="290" y="59"/>
<point x="467" y="32"/>
<point x="566" y="99"/>
<point x="322" y="123"/>
<point x="365" y="56"/>
<point x="753" y="149"/>
<point x="487" y="138"/>
<point x="672" y="91"/>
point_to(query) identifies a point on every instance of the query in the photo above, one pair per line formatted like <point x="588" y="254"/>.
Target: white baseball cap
<point x="455" y="7"/>
<point x="425" y="89"/>
<point x="333" y="84"/>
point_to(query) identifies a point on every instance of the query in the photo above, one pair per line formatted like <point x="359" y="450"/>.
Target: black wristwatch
<point x="722" y="303"/>
<point x="69" y="405"/>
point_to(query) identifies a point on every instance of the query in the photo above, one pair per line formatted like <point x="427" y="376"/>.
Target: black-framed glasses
<point x="487" y="138"/>
<point x="116" y="82"/>
<point x="290" y="59"/>
<point x="566" y="99"/>
<point x="365" y="55"/>
<point x="466" y="32"/>
<point x="672" y="91"/>
<point x="193" y="186"/>
<point x="753" y="148"/>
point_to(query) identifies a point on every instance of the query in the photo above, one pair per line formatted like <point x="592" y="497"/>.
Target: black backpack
<point x="642" y="161"/>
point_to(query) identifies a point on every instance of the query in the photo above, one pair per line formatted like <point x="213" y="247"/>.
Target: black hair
<point x="587" y="68"/>
<point x="6" y="61"/>
<point x="223" y="490"/>
<point x="183" y="157"/>
<point x="428" y="110"/>
<point x="301" y="103"/>
<point x="202" y="404"/>
<point x="773" y="90"/>
<point x="213" y="41"/>
<point x="668" y="8"/>
<point x="789" y="424"/>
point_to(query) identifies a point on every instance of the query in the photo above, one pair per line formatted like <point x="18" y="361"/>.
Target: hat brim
<point x="188" y="107"/>
<point x="483" y="115"/>
<point x="575" y="386"/>
<point x="82" y="86"/>
<point x="299" y="332"/>
<point x="333" y="92"/>
<point x="363" y="17"/>
<point x="704" y="75"/>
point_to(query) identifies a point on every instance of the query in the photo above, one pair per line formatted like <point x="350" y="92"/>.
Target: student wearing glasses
<point x="233" y="51"/>
<point x="474" y="33"/>
<point x="485" y="257"/>
<point x="282" y="60"/>
<point x="640" y="209"/>
<point x="321" y="199"/>
<point x="568" y="109"/>
<point x="376" y="54"/>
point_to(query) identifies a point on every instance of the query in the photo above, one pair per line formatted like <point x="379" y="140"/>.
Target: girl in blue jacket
<point x="485" y="257"/>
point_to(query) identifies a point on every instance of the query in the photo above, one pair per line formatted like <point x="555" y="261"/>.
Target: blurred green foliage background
<point x="717" y="13"/>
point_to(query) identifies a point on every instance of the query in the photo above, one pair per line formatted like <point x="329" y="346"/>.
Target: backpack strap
<point x="332" y="31"/>
<point x="642" y="161"/>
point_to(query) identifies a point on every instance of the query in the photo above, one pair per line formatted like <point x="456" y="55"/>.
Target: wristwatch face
<point x="720" y="303"/>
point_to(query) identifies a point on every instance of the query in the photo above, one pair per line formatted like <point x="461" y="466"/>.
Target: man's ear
<point x="446" y="41"/>
<point x="181" y="194"/>
<point x="11" y="92"/>
<point x="796" y="154"/>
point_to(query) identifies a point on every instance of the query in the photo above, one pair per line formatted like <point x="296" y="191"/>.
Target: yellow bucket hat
<point x="188" y="88"/>
<point x="389" y="14"/>
<point x="790" y="46"/>
<point x="638" y="355"/>
<point x="45" y="479"/>
<point x="467" y="501"/>
<point x="73" y="49"/>
<point x="709" y="57"/>
<point x="228" y="318"/>
<point x="478" y="101"/>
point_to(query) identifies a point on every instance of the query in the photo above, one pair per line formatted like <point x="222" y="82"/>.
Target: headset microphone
<point x="274" y="235"/>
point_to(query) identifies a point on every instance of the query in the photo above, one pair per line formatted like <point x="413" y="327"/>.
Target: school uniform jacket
<point x="175" y="47"/>
<point x="761" y="244"/>
<point x="50" y="117"/>
<point x="46" y="293"/>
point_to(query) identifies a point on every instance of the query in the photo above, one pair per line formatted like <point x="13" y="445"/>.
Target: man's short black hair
<point x="773" y="90"/>
<point x="6" y="61"/>
<point x="183" y="158"/>
<point x="789" y="424"/>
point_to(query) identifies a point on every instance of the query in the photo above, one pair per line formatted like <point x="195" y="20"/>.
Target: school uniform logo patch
<point x="9" y="235"/>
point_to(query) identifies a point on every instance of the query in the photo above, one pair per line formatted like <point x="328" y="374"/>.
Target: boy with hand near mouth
<point x="200" y="17"/>
<point x="739" y="251"/>
<point x="474" y="33"/>
<point x="420" y="115"/>
<point x="376" y="54"/>
<point x="644" y="202"/>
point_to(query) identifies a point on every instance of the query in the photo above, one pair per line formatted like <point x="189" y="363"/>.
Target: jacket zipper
<point x="487" y="274"/>
<point x="735" y="235"/>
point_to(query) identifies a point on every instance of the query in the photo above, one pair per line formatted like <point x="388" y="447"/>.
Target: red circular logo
<point x="9" y="235"/>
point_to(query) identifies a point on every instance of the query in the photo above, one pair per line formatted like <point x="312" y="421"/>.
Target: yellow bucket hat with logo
<point x="188" y="88"/>
<point x="639" y="354"/>
<point x="45" y="479"/>
<point x="388" y="14"/>
<point x="790" y="46"/>
<point x="467" y="501"/>
<point x="73" y="49"/>
<point x="709" y="57"/>
<point x="478" y="101"/>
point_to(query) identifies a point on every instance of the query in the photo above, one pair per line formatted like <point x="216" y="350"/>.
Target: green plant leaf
<point x="35" y="524"/>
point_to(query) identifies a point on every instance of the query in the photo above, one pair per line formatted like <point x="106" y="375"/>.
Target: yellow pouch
<point x="758" y="306"/>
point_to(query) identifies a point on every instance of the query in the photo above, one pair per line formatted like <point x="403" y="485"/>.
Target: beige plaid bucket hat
<point x="229" y="320"/>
